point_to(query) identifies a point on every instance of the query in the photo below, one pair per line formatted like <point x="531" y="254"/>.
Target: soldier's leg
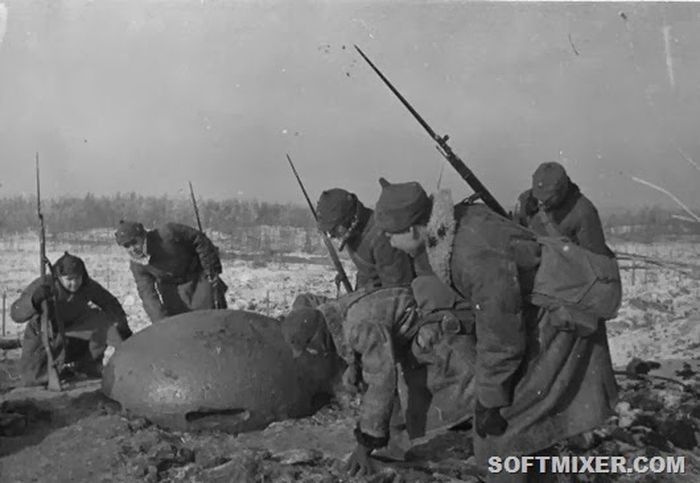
<point x="98" y="329"/>
<point x="176" y="298"/>
<point x="199" y="294"/>
<point x="33" y="359"/>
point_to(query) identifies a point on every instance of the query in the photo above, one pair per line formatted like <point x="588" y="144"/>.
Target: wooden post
<point x="4" y="300"/>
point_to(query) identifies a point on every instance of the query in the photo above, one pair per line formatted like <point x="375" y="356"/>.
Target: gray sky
<point x="145" y="95"/>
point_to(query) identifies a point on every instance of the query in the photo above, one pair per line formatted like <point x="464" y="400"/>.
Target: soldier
<point x="344" y="217"/>
<point x="88" y="331"/>
<point x="537" y="381"/>
<point x="425" y="337"/>
<point x="555" y="206"/>
<point x="176" y="268"/>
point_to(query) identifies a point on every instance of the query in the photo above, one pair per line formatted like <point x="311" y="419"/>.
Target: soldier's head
<point x="336" y="209"/>
<point x="402" y="212"/>
<point x="132" y="236"/>
<point x="71" y="272"/>
<point x="299" y="327"/>
<point x="550" y="184"/>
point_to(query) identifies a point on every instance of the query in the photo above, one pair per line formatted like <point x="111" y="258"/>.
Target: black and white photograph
<point x="349" y="241"/>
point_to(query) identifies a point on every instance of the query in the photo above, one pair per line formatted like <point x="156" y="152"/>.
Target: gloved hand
<point x="360" y="462"/>
<point x="124" y="331"/>
<point x="41" y="293"/>
<point x="338" y="281"/>
<point x="531" y="206"/>
<point x="488" y="421"/>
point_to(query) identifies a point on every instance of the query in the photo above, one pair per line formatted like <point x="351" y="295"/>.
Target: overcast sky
<point x="146" y="95"/>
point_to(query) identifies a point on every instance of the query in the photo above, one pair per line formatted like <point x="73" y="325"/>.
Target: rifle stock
<point x="444" y="148"/>
<point x="54" y="381"/>
<point x="329" y="244"/>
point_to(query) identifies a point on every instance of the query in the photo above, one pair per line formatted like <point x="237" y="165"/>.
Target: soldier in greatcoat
<point x="555" y="206"/>
<point x="176" y="268"/>
<point x="536" y="382"/>
<point x="344" y="217"/>
<point x="88" y="330"/>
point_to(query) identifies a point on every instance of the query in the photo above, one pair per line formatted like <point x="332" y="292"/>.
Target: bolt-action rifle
<point x="480" y="190"/>
<point x="47" y="334"/>
<point x="214" y="283"/>
<point x="329" y="245"/>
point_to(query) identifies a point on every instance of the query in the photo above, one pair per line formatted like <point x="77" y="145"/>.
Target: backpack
<point x="577" y="286"/>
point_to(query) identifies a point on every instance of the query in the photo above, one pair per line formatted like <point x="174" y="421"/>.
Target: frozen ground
<point x="659" y="320"/>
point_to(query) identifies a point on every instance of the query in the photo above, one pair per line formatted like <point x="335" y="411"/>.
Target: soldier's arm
<point x="373" y="342"/>
<point x="23" y="309"/>
<point x="203" y="246"/>
<point x="590" y="234"/>
<point x="146" y="286"/>
<point x="104" y="299"/>
<point x="524" y="207"/>
<point x="393" y="266"/>
<point x="500" y="329"/>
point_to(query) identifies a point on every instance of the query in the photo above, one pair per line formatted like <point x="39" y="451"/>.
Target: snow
<point x="659" y="317"/>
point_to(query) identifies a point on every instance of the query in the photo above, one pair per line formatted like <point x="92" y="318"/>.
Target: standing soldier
<point x="538" y="379"/>
<point x="176" y="268"/>
<point x="555" y="206"/>
<point x="88" y="331"/>
<point x="344" y="217"/>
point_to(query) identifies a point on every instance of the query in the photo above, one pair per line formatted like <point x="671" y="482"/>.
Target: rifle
<point x="194" y="204"/>
<point x="329" y="245"/>
<point x="215" y="283"/>
<point x="54" y="382"/>
<point x="480" y="190"/>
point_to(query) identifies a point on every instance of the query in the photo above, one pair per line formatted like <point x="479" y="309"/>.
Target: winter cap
<point x="401" y="205"/>
<point x="335" y="207"/>
<point x="549" y="182"/>
<point x="128" y="231"/>
<point x="300" y="326"/>
<point x="70" y="265"/>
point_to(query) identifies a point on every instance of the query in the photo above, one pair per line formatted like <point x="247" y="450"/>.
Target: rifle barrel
<point x="303" y="190"/>
<point x="329" y="244"/>
<point x="196" y="210"/>
<point x="446" y="150"/>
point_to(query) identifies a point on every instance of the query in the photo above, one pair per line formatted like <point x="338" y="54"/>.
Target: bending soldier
<point x="415" y="355"/>
<point x="88" y="331"/>
<point x="344" y="217"/>
<point x="537" y="380"/>
<point x="555" y="206"/>
<point x="176" y="268"/>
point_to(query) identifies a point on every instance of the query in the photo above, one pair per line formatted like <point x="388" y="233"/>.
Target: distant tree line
<point x="649" y="223"/>
<point x="249" y="224"/>
<point x="256" y="225"/>
<point x="70" y="214"/>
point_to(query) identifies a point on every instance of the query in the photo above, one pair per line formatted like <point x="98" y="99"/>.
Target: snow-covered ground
<point x="265" y="287"/>
<point x="659" y="317"/>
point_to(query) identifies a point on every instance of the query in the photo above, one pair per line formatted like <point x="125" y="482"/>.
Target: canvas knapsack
<point x="578" y="286"/>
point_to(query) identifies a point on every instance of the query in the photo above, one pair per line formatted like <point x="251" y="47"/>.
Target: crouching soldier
<point x="176" y="268"/>
<point x="344" y="217"/>
<point x="88" y="330"/>
<point x="415" y="360"/>
<point x="539" y="379"/>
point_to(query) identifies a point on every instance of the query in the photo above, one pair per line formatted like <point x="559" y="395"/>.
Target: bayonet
<point x="326" y="240"/>
<point x="444" y="148"/>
